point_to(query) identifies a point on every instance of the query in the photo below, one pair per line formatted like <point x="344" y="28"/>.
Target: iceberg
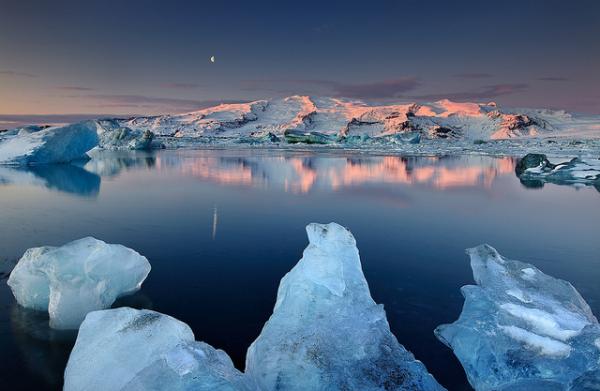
<point x="535" y="169"/>
<point x="326" y="333"/>
<point x="127" y="349"/>
<point x="59" y="144"/>
<point x="74" y="279"/>
<point x="522" y="329"/>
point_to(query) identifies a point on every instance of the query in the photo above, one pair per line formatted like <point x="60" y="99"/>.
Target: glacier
<point x="76" y="278"/>
<point x="325" y="333"/>
<point x="39" y="145"/>
<point x="325" y="120"/>
<point x="522" y="329"/>
<point x="298" y="121"/>
<point x="535" y="169"/>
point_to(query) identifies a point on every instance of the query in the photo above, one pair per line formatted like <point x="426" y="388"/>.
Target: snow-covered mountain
<point x="335" y="120"/>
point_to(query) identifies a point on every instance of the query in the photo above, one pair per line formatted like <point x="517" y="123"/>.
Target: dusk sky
<point x="125" y="57"/>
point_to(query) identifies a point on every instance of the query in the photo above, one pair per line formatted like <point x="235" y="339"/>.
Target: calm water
<point x="221" y="228"/>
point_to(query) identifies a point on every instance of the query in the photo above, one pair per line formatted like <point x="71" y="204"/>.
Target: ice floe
<point x="74" y="279"/>
<point x="535" y="169"/>
<point x="522" y="329"/>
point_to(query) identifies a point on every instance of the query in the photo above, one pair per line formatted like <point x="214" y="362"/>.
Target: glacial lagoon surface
<point x="221" y="228"/>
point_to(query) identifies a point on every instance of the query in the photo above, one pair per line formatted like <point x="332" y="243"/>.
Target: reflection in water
<point x="66" y="178"/>
<point x="112" y="163"/>
<point x="539" y="183"/>
<point x="302" y="174"/>
<point x="44" y="350"/>
<point x="215" y="222"/>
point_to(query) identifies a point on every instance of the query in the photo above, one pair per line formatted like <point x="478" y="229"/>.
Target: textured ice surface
<point x="522" y="329"/>
<point x="326" y="333"/>
<point x="81" y="276"/>
<point x="114" y="136"/>
<point x="127" y="349"/>
<point x="60" y="144"/>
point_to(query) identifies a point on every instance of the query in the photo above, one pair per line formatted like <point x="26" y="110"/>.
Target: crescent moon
<point x="212" y="58"/>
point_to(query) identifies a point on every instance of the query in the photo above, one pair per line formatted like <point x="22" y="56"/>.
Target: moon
<point x="212" y="58"/>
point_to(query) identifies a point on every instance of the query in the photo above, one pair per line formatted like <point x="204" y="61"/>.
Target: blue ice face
<point x="521" y="328"/>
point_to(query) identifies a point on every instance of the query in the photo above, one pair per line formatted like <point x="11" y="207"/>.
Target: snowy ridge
<point x="341" y="118"/>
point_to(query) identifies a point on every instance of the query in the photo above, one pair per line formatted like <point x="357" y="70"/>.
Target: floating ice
<point x="326" y="333"/>
<point x="522" y="329"/>
<point x="81" y="276"/>
<point x="534" y="169"/>
<point x="61" y="144"/>
<point x="127" y="349"/>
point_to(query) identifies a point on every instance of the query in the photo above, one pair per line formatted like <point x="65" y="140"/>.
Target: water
<point x="222" y="227"/>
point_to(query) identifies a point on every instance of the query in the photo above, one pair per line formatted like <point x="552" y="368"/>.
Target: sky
<point x="150" y="57"/>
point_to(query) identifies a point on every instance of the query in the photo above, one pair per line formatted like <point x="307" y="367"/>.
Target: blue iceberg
<point x="522" y="329"/>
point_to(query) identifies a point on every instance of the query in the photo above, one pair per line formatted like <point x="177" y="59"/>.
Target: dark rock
<point x="532" y="160"/>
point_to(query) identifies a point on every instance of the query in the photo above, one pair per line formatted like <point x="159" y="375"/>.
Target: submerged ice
<point x="522" y="329"/>
<point x="81" y="276"/>
<point x="326" y="333"/>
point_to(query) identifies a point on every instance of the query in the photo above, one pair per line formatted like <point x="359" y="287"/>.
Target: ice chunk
<point x="114" y="345"/>
<point x="522" y="329"/>
<point x="190" y="366"/>
<point x="127" y="349"/>
<point x="61" y="144"/>
<point x="74" y="279"/>
<point x="326" y="332"/>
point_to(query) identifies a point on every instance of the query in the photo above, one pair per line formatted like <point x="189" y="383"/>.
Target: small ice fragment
<point x="82" y="276"/>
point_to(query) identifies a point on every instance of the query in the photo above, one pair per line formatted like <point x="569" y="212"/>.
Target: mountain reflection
<point x="302" y="174"/>
<point x="291" y="173"/>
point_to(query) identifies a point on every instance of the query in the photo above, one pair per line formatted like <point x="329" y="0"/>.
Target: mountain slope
<point x="340" y="119"/>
